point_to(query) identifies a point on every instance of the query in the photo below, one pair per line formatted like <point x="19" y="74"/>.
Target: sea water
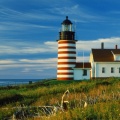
<point x="7" y="82"/>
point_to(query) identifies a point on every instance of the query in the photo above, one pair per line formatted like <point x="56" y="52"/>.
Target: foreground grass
<point x="102" y="97"/>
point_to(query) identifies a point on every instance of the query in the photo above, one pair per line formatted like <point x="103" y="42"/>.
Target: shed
<point x="82" y="71"/>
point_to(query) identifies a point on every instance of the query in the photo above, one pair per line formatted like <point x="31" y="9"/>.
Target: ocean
<point x="6" y="82"/>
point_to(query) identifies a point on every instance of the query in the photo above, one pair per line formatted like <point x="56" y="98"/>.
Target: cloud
<point x="50" y="47"/>
<point x="19" y="48"/>
<point x="7" y="61"/>
<point x="27" y="64"/>
<point x="22" y="26"/>
<point x="79" y="12"/>
<point x="28" y="68"/>
<point x="10" y="14"/>
<point x="88" y="45"/>
<point x="41" y="61"/>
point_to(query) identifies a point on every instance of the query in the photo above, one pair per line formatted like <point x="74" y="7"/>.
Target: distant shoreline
<point x="14" y="82"/>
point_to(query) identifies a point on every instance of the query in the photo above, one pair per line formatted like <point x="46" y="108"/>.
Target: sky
<point x="29" y="30"/>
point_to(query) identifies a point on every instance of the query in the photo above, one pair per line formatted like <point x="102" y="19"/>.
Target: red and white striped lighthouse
<point x="66" y="51"/>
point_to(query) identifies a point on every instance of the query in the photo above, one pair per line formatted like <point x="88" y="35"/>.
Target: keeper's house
<point x="105" y="62"/>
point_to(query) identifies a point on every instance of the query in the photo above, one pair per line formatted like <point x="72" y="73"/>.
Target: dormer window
<point x="117" y="57"/>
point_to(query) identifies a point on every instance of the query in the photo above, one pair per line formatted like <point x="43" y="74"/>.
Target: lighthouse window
<point x="84" y="72"/>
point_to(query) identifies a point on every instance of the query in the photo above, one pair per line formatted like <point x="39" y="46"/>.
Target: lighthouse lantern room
<point x="66" y="51"/>
<point x="67" y="25"/>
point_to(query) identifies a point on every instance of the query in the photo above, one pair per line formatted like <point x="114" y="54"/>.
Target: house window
<point x="84" y="72"/>
<point x="119" y="70"/>
<point x="112" y="70"/>
<point x="103" y="69"/>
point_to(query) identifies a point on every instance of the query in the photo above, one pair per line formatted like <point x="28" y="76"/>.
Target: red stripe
<point x="61" y="42"/>
<point x="64" y="68"/>
<point x="62" y="52"/>
<point x="68" y="47"/>
<point x="66" y="73"/>
<point x="66" y="57"/>
<point x="60" y="63"/>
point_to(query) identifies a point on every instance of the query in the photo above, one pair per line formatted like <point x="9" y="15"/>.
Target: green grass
<point x="102" y="97"/>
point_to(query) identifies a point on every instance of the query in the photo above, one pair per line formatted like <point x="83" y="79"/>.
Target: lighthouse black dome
<point x="66" y="22"/>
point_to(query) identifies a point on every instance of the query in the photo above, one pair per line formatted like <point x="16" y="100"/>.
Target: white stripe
<point x="66" y="60"/>
<point x="67" y="45"/>
<point x="64" y="76"/>
<point x="67" y="55"/>
<point x="66" y="40"/>
<point x="66" y="65"/>
<point x="63" y="71"/>
<point x="74" y="50"/>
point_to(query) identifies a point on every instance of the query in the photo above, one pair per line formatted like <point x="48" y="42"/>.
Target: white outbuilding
<point x="82" y="71"/>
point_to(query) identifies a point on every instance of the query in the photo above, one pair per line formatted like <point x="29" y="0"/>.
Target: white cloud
<point x="25" y="70"/>
<point x="14" y="47"/>
<point x="88" y="45"/>
<point x="7" y="61"/>
<point x="80" y="13"/>
<point x="51" y="47"/>
<point x="22" y="26"/>
<point x="8" y="49"/>
<point x="33" y="14"/>
<point x="28" y="65"/>
<point x="42" y="61"/>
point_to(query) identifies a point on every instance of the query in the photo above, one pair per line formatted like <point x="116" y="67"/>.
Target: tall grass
<point x="102" y="98"/>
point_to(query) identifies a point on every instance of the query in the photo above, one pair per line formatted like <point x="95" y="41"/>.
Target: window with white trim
<point x="119" y="69"/>
<point x="103" y="69"/>
<point x="112" y="69"/>
<point x="84" y="72"/>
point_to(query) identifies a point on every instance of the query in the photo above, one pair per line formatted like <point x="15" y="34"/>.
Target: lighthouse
<point x="66" y="51"/>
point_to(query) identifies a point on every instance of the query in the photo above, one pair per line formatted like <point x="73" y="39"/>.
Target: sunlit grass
<point x="102" y="98"/>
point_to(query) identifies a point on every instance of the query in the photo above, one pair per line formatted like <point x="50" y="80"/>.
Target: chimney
<point x="116" y="47"/>
<point x="102" y="45"/>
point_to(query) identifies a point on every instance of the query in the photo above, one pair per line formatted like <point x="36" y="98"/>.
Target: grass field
<point x="88" y="100"/>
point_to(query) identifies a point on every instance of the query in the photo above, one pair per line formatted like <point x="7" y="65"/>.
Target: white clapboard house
<point x="105" y="62"/>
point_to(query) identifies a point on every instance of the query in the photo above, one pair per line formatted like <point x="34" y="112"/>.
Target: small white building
<point x="105" y="62"/>
<point x="82" y="71"/>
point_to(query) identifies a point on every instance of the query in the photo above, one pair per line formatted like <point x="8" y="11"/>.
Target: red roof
<point x="104" y="55"/>
<point x="83" y="65"/>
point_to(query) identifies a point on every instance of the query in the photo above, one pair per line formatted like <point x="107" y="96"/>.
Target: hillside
<point x="88" y="100"/>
